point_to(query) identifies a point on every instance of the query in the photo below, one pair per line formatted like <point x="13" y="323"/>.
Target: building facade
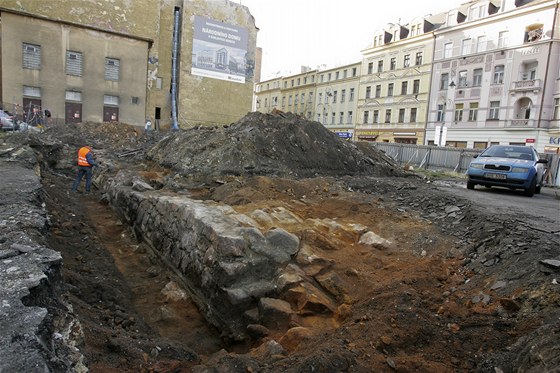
<point x="180" y="62"/>
<point x="495" y="76"/>
<point x="395" y="83"/>
<point x="482" y="73"/>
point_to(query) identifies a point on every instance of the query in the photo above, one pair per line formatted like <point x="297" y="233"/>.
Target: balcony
<point x="520" y="123"/>
<point x="526" y="86"/>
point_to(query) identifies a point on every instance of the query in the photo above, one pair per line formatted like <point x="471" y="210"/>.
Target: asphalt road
<point x="542" y="210"/>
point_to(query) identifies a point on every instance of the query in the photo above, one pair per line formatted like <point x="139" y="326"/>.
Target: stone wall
<point x="226" y="261"/>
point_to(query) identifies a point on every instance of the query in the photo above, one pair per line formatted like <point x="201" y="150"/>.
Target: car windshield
<point x="515" y="152"/>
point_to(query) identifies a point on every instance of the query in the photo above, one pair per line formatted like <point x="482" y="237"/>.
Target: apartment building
<point x="181" y="62"/>
<point x="326" y="96"/>
<point x="482" y="73"/>
<point x="337" y="99"/>
<point x="395" y="82"/>
<point x="495" y="76"/>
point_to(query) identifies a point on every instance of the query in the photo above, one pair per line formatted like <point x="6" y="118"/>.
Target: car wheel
<point x="529" y="192"/>
<point x="470" y="185"/>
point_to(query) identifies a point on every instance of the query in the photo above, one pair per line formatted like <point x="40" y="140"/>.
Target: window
<point x="335" y="95"/>
<point x="440" y="112"/>
<point x="31" y="56"/>
<point x="477" y="78"/>
<point x="354" y="71"/>
<point x="73" y="96"/>
<point x="370" y="68"/>
<point x="416" y="86"/>
<point x="333" y="118"/>
<point x="73" y="63"/>
<point x="378" y="91"/>
<point x="159" y="82"/>
<point x="342" y="95"/>
<point x="298" y="81"/>
<point x="418" y="58"/>
<point x="368" y="91"/>
<point x="494" y="112"/>
<point x="292" y="82"/>
<point x="413" y="113"/>
<point x="473" y="111"/>
<point x="31" y="91"/>
<point x="284" y="100"/>
<point x="533" y="33"/>
<point x="290" y="100"/>
<point x="447" y="50"/>
<point x="366" y="116"/>
<point x="134" y="100"/>
<point x="345" y="74"/>
<point x="404" y="88"/>
<point x="380" y="66"/>
<point x="401" y="115"/>
<point x="388" y="116"/>
<point x="459" y="112"/>
<point x="481" y="44"/>
<point x="463" y="78"/>
<point x="349" y="117"/>
<point x="406" y="62"/>
<point x="337" y="75"/>
<point x="444" y="81"/>
<point x="320" y="98"/>
<point x="498" y="74"/>
<point x="556" y="114"/>
<point x="376" y="116"/>
<point x="503" y="39"/>
<point x="341" y="118"/>
<point x="266" y="102"/>
<point x="351" y="98"/>
<point x="303" y="98"/>
<point x="110" y="100"/>
<point x="390" y="88"/>
<point x="296" y="99"/>
<point x="465" y="46"/>
<point x="393" y="65"/>
<point x="112" y="67"/>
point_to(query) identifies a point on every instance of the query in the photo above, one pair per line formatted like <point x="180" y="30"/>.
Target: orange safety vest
<point x="82" y="153"/>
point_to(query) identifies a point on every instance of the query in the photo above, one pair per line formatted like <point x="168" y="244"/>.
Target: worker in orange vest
<point x="85" y="166"/>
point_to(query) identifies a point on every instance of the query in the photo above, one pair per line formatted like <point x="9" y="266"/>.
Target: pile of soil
<point x="461" y="290"/>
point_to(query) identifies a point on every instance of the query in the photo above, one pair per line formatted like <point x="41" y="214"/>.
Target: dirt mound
<point x="281" y="144"/>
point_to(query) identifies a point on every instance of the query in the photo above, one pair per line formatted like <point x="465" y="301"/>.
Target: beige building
<point x="337" y="98"/>
<point x="327" y="96"/>
<point x="180" y="62"/>
<point x="77" y="73"/>
<point x="395" y="83"/>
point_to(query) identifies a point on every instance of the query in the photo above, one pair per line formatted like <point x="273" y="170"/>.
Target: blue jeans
<point x="83" y="170"/>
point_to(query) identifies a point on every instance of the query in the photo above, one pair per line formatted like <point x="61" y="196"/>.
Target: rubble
<point x="304" y="252"/>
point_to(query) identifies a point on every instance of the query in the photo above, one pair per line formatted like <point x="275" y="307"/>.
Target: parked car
<point x="7" y="121"/>
<point x="509" y="166"/>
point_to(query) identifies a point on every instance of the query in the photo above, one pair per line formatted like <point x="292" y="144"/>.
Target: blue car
<point x="508" y="166"/>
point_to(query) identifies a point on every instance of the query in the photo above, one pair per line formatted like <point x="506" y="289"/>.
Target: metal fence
<point x="451" y="159"/>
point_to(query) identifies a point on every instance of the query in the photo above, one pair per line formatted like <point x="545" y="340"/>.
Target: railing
<point x="520" y="123"/>
<point x="451" y="159"/>
<point x="526" y="85"/>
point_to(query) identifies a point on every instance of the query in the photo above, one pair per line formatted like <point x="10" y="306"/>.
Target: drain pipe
<point x="175" y="126"/>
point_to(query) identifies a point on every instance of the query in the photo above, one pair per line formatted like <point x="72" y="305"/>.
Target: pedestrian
<point x="148" y="126"/>
<point x="85" y="167"/>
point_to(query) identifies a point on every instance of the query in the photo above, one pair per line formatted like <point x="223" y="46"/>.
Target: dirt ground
<point x="457" y="290"/>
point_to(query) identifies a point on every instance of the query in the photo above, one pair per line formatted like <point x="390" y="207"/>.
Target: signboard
<point x="529" y="141"/>
<point x="219" y="50"/>
<point x="344" y="135"/>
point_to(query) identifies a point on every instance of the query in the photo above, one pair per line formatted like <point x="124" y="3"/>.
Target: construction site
<point x="266" y="245"/>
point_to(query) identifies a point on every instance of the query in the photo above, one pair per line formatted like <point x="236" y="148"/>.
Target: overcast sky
<point x="295" y="33"/>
